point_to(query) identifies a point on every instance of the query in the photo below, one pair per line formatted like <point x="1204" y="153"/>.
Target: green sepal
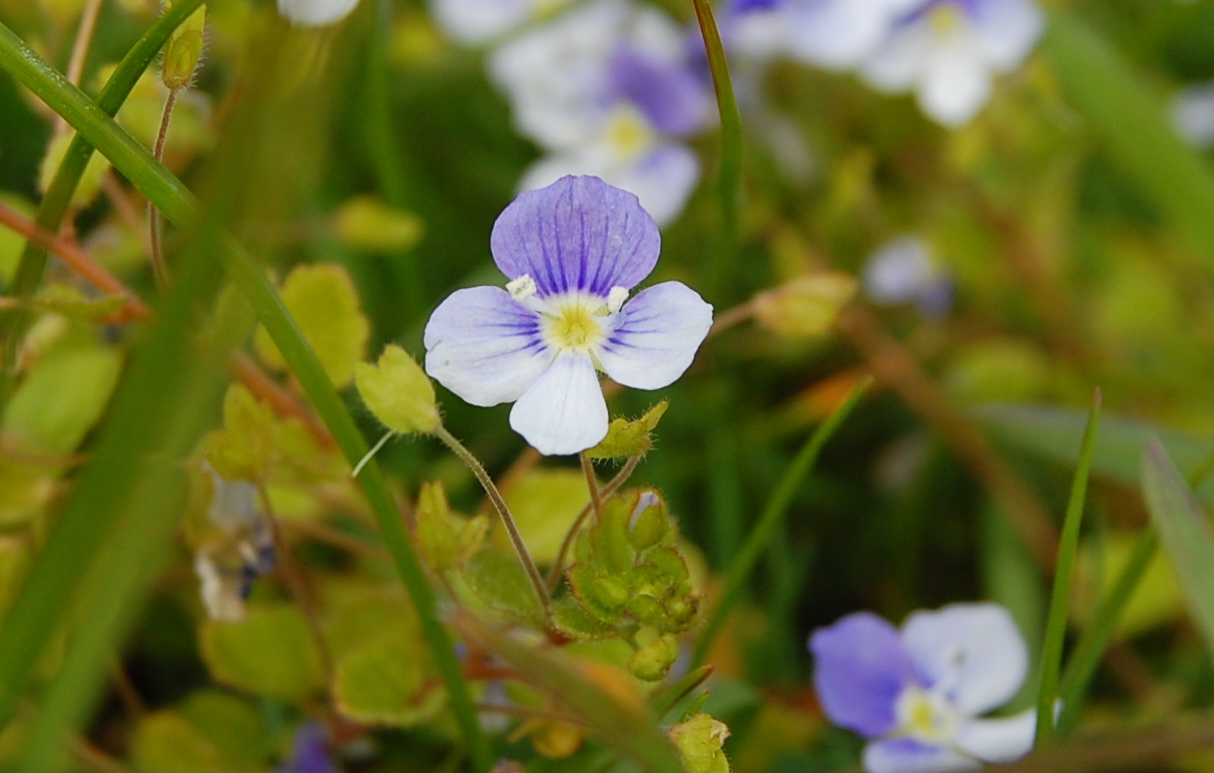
<point x="446" y="540"/>
<point x="398" y="392"/>
<point x="572" y="618"/>
<point x="324" y="303"/>
<point x="700" y="741"/>
<point x="629" y="438"/>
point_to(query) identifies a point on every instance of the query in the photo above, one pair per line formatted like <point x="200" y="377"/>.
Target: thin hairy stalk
<point x="499" y="504"/>
<point x="898" y="369"/>
<point x="159" y="267"/>
<point x="592" y="485"/>
<point x="554" y="574"/>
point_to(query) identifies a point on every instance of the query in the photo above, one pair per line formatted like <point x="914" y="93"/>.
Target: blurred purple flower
<point x="916" y="693"/>
<point x="309" y="751"/>
<point x="609" y="89"/>
<point x="573" y="252"/>
<point x="902" y="271"/>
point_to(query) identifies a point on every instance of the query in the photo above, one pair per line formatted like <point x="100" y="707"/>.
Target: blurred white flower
<point x="948" y="52"/>
<point x="1193" y="114"/>
<point x="479" y="21"/>
<point x="902" y="271"/>
<point x="838" y="34"/>
<point x="315" y="13"/>
<point x="226" y="568"/>
<point x="607" y="90"/>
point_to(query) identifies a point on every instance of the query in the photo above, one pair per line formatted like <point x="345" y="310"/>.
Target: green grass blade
<point x="1055" y="626"/>
<point x="55" y="204"/>
<point x="1185" y="534"/>
<point x="123" y="508"/>
<point x="729" y="181"/>
<point x="1094" y="640"/>
<point x="773" y="515"/>
<point x="1052" y="434"/>
<point x="180" y="207"/>
<point x="1132" y="122"/>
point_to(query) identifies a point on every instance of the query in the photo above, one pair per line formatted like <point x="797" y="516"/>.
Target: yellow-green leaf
<point x="270" y="652"/>
<point x="388" y="682"/>
<point x="322" y="299"/>
<point x="398" y="392"/>
<point x="242" y="450"/>
<point x="368" y="223"/>
<point x="62" y="398"/>
<point x="544" y="503"/>
<point x="444" y="539"/>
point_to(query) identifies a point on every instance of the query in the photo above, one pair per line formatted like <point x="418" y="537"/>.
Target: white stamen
<point x="616" y="298"/>
<point x="522" y="288"/>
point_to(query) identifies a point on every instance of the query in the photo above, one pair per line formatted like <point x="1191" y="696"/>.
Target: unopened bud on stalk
<point x="184" y="50"/>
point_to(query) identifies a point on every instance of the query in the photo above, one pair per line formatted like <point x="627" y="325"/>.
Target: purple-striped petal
<point x="577" y="235"/>
<point x="564" y="411"/>
<point x="972" y="654"/>
<point x="484" y="347"/>
<point x="657" y="336"/>
<point x="906" y="755"/>
<point x="860" y="669"/>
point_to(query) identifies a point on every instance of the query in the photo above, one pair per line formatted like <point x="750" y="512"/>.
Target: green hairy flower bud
<point x="184" y="50"/>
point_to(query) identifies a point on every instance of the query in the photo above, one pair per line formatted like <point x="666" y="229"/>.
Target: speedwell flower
<point x="948" y="52"/>
<point x="609" y="90"/>
<point x="572" y="252"/>
<point x="916" y="693"/>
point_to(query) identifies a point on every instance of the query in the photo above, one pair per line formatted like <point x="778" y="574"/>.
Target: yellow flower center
<point x="945" y="19"/>
<point x="628" y="134"/>
<point x="925" y="716"/>
<point x="575" y="324"/>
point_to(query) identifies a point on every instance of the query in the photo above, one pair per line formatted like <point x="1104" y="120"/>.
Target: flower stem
<point x="554" y="574"/>
<point x="592" y="485"/>
<point x="503" y="512"/>
<point x="159" y="267"/>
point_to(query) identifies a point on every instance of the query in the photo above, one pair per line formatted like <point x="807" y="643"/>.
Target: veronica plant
<point x="609" y="90"/>
<point x="948" y="52"/>
<point x="572" y="252"/>
<point x="916" y="693"/>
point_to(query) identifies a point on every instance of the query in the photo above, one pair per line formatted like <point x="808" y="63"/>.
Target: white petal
<point x="907" y="755"/>
<point x="998" y="741"/>
<point x="1008" y="30"/>
<point x="477" y="21"/>
<point x="484" y="347"/>
<point x="896" y="64"/>
<point x="315" y="13"/>
<point x="971" y="653"/>
<point x="657" y="337"/>
<point x="564" y="411"/>
<point x="955" y="84"/>
<point x="837" y="33"/>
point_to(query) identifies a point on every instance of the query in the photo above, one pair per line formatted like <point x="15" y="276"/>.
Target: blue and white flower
<point x="227" y="567"/>
<point x="1193" y="114"/>
<point x="902" y="271"/>
<point x="609" y="90"/>
<point x="837" y="34"/>
<point x="572" y="252"/>
<point x="917" y="692"/>
<point x="948" y="52"/>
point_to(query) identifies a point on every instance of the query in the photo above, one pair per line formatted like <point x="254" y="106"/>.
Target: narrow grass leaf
<point x="1055" y="626"/>
<point x="1131" y="120"/>
<point x="1185" y="533"/>
<point x="773" y="515"/>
